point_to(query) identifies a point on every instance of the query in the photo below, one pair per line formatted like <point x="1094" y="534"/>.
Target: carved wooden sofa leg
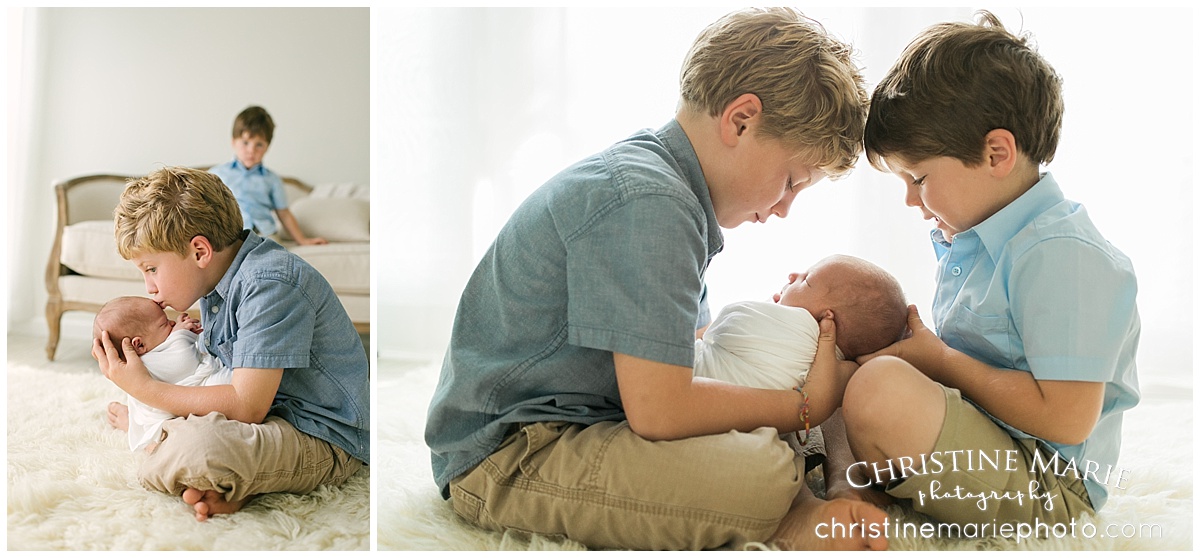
<point x="54" y="321"/>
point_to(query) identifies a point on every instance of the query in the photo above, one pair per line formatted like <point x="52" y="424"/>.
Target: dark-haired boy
<point x="259" y="191"/>
<point x="1011" y="412"/>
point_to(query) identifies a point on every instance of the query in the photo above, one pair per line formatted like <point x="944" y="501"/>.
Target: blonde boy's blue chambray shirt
<point x="273" y="310"/>
<point x="608" y="256"/>
<point x="1035" y="287"/>
<point x="259" y="192"/>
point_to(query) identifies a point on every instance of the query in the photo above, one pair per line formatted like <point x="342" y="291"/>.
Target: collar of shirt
<point x="237" y="165"/>
<point x="677" y="142"/>
<point x="249" y="242"/>
<point x="995" y="231"/>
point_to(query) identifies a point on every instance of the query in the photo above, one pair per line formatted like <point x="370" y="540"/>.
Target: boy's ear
<point x="139" y="346"/>
<point x="739" y="115"/>
<point x="200" y="250"/>
<point x="1000" y="152"/>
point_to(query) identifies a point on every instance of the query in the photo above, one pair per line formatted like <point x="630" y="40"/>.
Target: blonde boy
<point x="1019" y="395"/>
<point x="567" y="403"/>
<point x="258" y="190"/>
<point x="296" y="415"/>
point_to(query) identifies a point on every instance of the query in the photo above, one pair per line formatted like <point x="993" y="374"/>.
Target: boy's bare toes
<point x="191" y="496"/>
<point x="208" y="503"/>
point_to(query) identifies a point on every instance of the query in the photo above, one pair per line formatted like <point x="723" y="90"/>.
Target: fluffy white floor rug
<point x="1153" y="513"/>
<point x="72" y="484"/>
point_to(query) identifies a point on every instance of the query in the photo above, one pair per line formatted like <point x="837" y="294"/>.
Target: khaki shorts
<point x="240" y="459"/>
<point x="606" y="487"/>
<point x="999" y="489"/>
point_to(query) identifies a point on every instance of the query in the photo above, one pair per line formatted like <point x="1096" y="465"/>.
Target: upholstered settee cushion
<point x="90" y="248"/>
<point x="346" y="265"/>
<point x="334" y="219"/>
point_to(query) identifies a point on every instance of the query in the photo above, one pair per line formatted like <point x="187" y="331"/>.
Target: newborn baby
<point x="771" y="344"/>
<point x="170" y="352"/>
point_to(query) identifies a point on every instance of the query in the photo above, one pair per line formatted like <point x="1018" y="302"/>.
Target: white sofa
<point x="85" y="271"/>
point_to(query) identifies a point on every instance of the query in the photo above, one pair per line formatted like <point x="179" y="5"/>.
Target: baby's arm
<point x="293" y="228"/>
<point x="186" y="322"/>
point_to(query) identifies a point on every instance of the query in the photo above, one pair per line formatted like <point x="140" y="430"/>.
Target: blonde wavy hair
<point x="813" y="94"/>
<point x="164" y="210"/>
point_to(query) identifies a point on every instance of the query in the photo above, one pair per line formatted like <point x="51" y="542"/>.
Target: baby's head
<point x="869" y="308"/>
<point x="138" y="318"/>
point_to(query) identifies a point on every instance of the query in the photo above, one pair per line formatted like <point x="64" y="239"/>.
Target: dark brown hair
<point x="256" y="121"/>
<point x="955" y="83"/>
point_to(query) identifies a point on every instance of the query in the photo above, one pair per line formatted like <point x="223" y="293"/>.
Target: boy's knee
<point x="765" y="456"/>
<point x="871" y="391"/>
<point x="875" y="376"/>
<point x="191" y="454"/>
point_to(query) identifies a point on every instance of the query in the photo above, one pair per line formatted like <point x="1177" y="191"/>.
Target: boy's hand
<point x="921" y="348"/>
<point x="828" y="376"/>
<point x="130" y="374"/>
<point x="312" y="240"/>
<point x="826" y="357"/>
<point x="186" y="322"/>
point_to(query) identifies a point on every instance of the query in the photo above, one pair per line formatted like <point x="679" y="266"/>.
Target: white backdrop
<point x="128" y="90"/>
<point x="477" y="107"/>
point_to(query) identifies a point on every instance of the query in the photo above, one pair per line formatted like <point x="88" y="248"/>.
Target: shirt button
<point x="215" y="308"/>
<point x="955" y="271"/>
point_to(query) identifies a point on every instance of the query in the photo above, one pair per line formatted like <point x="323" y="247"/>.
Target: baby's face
<point x="811" y="289"/>
<point x="156" y="326"/>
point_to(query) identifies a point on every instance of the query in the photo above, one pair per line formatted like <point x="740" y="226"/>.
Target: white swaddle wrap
<point x="759" y="344"/>
<point x="178" y="360"/>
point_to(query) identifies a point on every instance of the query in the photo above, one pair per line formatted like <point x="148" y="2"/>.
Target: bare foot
<point x="815" y="524"/>
<point x="118" y="416"/>
<point x="869" y="494"/>
<point x="208" y="503"/>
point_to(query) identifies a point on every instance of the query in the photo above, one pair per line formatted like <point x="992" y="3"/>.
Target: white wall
<point x="130" y="90"/>
<point x="476" y="107"/>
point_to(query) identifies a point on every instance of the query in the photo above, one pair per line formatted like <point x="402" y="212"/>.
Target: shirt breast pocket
<point x="986" y="338"/>
<point x="224" y="351"/>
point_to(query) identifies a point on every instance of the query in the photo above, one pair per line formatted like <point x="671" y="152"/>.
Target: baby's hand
<point x="186" y="322"/>
<point x="312" y="240"/>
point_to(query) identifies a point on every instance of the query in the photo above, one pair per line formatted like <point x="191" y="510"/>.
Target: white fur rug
<point x="412" y="516"/>
<point x="72" y="484"/>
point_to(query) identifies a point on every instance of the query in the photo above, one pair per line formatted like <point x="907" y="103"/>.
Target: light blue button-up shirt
<point x="1035" y="287"/>
<point x="608" y="256"/>
<point x="273" y="310"/>
<point x="258" y="191"/>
